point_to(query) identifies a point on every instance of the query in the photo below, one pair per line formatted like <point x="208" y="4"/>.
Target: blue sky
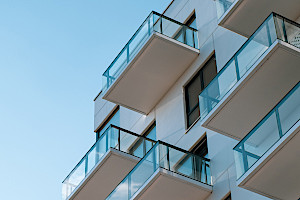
<point x="52" y="56"/>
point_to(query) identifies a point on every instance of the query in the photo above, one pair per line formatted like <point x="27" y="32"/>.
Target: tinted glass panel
<point x="195" y="87"/>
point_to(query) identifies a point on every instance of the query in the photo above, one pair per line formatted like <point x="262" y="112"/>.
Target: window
<point x="228" y="197"/>
<point x="200" y="169"/>
<point x="140" y="147"/>
<point x="114" y="119"/>
<point x="184" y="36"/>
<point x="191" y="22"/>
<point x="201" y="148"/>
<point x="195" y="87"/>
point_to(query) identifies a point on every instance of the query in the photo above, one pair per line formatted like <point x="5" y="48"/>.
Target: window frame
<point x="198" y="74"/>
<point x="113" y="113"/>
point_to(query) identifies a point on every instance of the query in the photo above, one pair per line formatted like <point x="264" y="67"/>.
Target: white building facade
<point x="202" y="103"/>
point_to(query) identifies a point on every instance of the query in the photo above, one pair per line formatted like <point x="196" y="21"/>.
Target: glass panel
<point x="289" y="111"/>
<point x="263" y="137"/>
<point x="154" y="22"/>
<point x="268" y="131"/>
<point x="109" y="139"/>
<point x="164" y="156"/>
<point x="223" y="6"/>
<point x="237" y="66"/>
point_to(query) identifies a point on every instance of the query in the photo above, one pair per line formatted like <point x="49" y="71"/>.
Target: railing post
<point x="127" y="49"/>
<point x="245" y="161"/>
<point x="238" y="76"/>
<point x="161" y="27"/>
<point x="284" y="31"/>
<point x="149" y="32"/>
<point x="119" y="139"/>
<point x="194" y="43"/>
<point x="269" y="35"/>
<point x="168" y="158"/>
<point x="278" y="123"/>
<point x="129" y="186"/>
<point x="86" y="165"/>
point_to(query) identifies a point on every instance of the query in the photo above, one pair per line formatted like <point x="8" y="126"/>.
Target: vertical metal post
<point x="119" y="139"/>
<point x="269" y="35"/>
<point x="168" y="158"/>
<point x="245" y="161"/>
<point x="86" y="165"/>
<point x="284" y="31"/>
<point x="106" y="140"/>
<point x="238" y="76"/>
<point x="161" y="27"/>
<point x="278" y="123"/>
<point x="107" y="78"/>
<point x="149" y="32"/>
<point x="127" y="49"/>
<point x="194" y="43"/>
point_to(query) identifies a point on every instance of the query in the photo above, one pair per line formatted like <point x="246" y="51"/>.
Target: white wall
<point x="169" y="113"/>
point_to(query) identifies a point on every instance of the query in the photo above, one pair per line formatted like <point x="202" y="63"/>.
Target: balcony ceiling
<point x="109" y="172"/>
<point x="273" y="75"/>
<point x="152" y="72"/>
<point x="168" y="185"/>
<point x="245" y="16"/>
<point x="276" y="175"/>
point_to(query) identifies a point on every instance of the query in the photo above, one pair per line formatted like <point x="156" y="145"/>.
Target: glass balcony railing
<point x="223" y="6"/>
<point x="273" y="28"/>
<point x="114" y="137"/>
<point x="269" y="131"/>
<point x="164" y="156"/>
<point x="155" y="22"/>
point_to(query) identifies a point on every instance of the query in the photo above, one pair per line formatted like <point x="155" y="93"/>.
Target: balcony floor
<point x="244" y="16"/>
<point x="106" y="175"/>
<point x="164" y="184"/>
<point x="276" y="174"/>
<point x="271" y="77"/>
<point x="151" y="73"/>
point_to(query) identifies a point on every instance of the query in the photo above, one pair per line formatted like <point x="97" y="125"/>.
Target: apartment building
<point x="203" y="103"/>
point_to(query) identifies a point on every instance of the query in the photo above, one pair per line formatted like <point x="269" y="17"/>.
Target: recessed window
<point x="184" y="35"/>
<point x="200" y="169"/>
<point x="114" y="119"/>
<point x="191" y="22"/>
<point x="201" y="148"/>
<point x="141" y="146"/>
<point x="228" y="197"/>
<point x="195" y="87"/>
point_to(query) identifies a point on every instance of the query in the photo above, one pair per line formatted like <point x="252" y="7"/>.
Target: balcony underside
<point x="164" y="184"/>
<point x="152" y="72"/>
<point x="106" y="175"/>
<point x="244" y="16"/>
<point x="276" y="174"/>
<point x="271" y="77"/>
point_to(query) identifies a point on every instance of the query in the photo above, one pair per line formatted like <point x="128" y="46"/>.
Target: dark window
<point x="228" y="197"/>
<point x="200" y="167"/>
<point x="114" y="119"/>
<point x="141" y="146"/>
<point x="192" y="21"/>
<point x="185" y="36"/>
<point x="201" y="148"/>
<point x="195" y="87"/>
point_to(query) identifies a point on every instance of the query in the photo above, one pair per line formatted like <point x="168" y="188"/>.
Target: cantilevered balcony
<point x="254" y="80"/>
<point x="108" y="161"/>
<point x="244" y="16"/>
<point x="166" y="172"/>
<point x="268" y="158"/>
<point x="150" y="63"/>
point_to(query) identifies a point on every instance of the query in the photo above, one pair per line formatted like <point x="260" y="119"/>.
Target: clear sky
<point x="52" y="56"/>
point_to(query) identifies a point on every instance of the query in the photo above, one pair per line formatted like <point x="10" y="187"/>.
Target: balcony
<point x="244" y="16"/>
<point x="150" y="63"/>
<point x="108" y="161"/>
<point x="254" y="80"/>
<point x="166" y="172"/>
<point x="267" y="159"/>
